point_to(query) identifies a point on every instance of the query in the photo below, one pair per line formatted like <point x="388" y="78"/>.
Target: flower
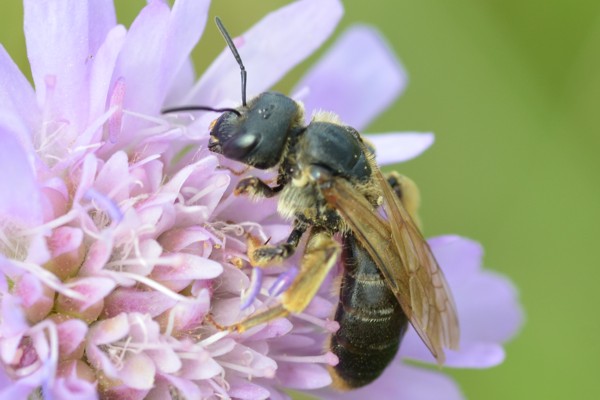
<point x="122" y="248"/>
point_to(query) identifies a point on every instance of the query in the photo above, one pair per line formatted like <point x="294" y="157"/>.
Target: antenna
<point x="199" y="108"/>
<point x="235" y="54"/>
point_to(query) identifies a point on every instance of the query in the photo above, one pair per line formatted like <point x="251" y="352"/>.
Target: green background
<point x="511" y="88"/>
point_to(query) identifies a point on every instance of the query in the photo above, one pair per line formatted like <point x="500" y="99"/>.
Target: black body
<point x="372" y="322"/>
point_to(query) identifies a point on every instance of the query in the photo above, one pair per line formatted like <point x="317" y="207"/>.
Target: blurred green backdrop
<point x="512" y="89"/>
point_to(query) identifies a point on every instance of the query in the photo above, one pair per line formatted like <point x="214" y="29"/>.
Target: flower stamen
<point x="151" y="284"/>
<point x="104" y="203"/>
<point x="213" y="338"/>
<point x="326" y="324"/>
<point x="49" y="279"/>
<point x="250" y="372"/>
<point x="328" y="358"/>
<point x="249" y="295"/>
<point x="283" y="281"/>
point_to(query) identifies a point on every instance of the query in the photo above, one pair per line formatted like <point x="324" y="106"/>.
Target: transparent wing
<point x="404" y="259"/>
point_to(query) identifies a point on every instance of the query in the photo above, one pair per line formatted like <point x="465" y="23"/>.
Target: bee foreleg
<point x="254" y="187"/>
<point x="265" y="255"/>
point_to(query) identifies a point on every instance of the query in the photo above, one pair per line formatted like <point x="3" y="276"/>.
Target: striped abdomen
<point x="371" y="320"/>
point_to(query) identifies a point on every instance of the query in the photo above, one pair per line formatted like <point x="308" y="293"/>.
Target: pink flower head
<point x="122" y="247"/>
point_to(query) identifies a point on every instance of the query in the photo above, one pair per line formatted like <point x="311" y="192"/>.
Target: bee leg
<point x="236" y="172"/>
<point x="320" y="256"/>
<point x="263" y="255"/>
<point x="408" y="193"/>
<point x="254" y="187"/>
<point x="260" y="318"/>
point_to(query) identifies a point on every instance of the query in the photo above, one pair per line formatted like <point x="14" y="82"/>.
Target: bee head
<point x="257" y="134"/>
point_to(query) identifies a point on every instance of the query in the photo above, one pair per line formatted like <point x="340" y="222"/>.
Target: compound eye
<point x="238" y="147"/>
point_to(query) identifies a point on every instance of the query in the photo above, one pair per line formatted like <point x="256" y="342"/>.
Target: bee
<point x="329" y="184"/>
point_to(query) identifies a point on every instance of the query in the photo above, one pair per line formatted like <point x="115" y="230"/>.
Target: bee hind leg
<point x="321" y="254"/>
<point x="408" y="193"/>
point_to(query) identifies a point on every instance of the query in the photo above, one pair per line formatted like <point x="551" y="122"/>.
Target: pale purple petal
<point x="186" y="386"/>
<point x="157" y="45"/>
<point x="71" y="334"/>
<point x="493" y="318"/>
<point x="10" y="390"/>
<point x="109" y="179"/>
<point x="128" y="300"/>
<point x="496" y="316"/>
<point x="179" y="239"/>
<point x="92" y="289"/>
<point x="103" y="20"/>
<point x="57" y="35"/>
<point x="189" y="316"/>
<point x="108" y="330"/>
<point x="269" y="50"/>
<point x="171" y="189"/>
<point x="357" y="79"/>
<point x="138" y="371"/>
<point x="20" y="199"/>
<point x="188" y="19"/>
<point x="392" y="148"/>
<point x="87" y="176"/>
<point x="237" y="208"/>
<point x="200" y="368"/>
<point x="208" y="193"/>
<point x="471" y="354"/>
<point x="71" y="387"/>
<point x="278" y="395"/>
<point x="98" y="255"/>
<point x="400" y="381"/>
<point x="65" y="239"/>
<point x="244" y="390"/>
<point x="189" y="267"/>
<point x="101" y="72"/>
<point x="14" y="322"/>
<point x="36" y="299"/>
<point x="141" y="59"/>
<point x="182" y="82"/>
<point x="261" y="365"/>
<point x="303" y="376"/>
<point x="233" y="280"/>
<point x="273" y="329"/>
<point x="18" y="105"/>
<point x="460" y="258"/>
